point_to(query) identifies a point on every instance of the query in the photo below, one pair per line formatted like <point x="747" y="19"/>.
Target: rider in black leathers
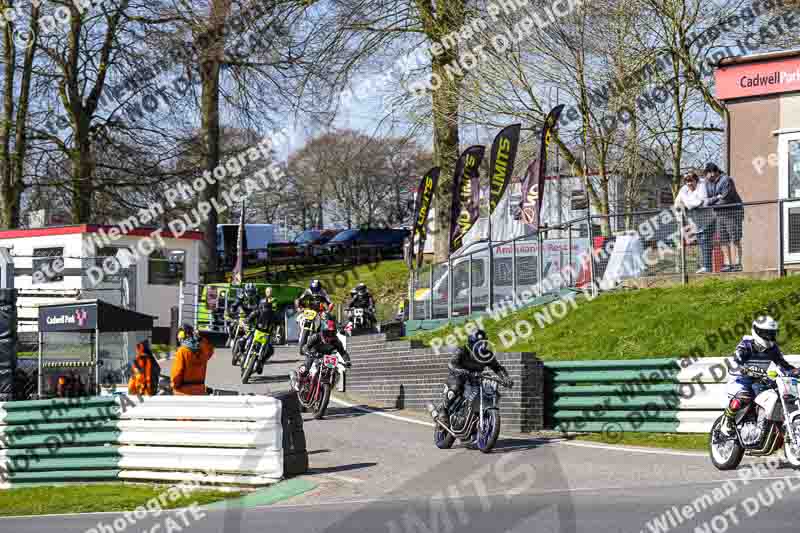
<point x="466" y="360"/>
<point x="361" y="298"/>
<point x="245" y="304"/>
<point x="324" y="342"/>
<point x="264" y="317"/>
<point x="313" y="294"/>
<point x="312" y="297"/>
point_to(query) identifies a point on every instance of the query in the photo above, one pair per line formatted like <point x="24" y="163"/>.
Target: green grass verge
<point x="651" y="323"/>
<point x="29" y="501"/>
<point x="676" y="441"/>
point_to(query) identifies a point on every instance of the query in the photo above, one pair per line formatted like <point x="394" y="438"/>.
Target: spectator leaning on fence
<point x="691" y="198"/>
<point x="721" y="191"/>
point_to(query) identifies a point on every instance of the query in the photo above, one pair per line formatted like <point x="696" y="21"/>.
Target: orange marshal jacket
<point x="189" y="369"/>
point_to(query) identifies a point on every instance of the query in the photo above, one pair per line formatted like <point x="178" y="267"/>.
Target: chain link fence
<point x="603" y="252"/>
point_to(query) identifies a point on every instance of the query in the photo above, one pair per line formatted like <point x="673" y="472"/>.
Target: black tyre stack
<point x="295" y="454"/>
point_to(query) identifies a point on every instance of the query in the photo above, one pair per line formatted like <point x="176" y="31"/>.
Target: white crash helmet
<point x="765" y="331"/>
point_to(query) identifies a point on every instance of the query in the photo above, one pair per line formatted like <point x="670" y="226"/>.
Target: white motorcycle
<point x="770" y="421"/>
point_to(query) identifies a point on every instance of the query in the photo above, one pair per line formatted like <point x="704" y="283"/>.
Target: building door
<point x="789" y="188"/>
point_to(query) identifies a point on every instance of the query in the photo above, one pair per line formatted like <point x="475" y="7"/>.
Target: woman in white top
<point x="693" y="193"/>
<point x="691" y="197"/>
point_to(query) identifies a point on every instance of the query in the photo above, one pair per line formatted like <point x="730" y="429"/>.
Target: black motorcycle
<point x="474" y="416"/>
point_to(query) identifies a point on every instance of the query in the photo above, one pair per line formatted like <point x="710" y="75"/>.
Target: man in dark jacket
<point x="721" y="192"/>
<point x="472" y="358"/>
<point x="324" y="342"/>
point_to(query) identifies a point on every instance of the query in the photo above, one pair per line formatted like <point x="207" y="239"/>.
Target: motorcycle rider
<point x="314" y="294"/>
<point x="244" y="305"/>
<point x="312" y="297"/>
<point x="324" y="342"/>
<point x="361" y="298"/>
<point x="474" y="357"/>
<point x="757" y="349"/>
<point x="263" y="317"/>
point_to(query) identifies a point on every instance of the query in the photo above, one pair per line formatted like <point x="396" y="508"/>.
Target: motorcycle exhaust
<point x="434" y="414"/>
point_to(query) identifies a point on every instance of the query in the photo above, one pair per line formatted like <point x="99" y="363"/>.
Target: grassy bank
<point x="675" y="441"/>
<point x="387" y="282"/>
<point x="31" y="501"/>
<point x="647" y="323"/>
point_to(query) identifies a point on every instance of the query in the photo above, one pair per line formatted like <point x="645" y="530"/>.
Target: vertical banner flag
<point x="425" y="192"/>
<point x="504" y="152"/>
<point x="465" y="208"/>
<point x="237" y="270"/>
<point x="533" y="186"/>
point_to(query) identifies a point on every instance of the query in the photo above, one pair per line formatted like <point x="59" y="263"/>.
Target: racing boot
<point x="297" y="377"/>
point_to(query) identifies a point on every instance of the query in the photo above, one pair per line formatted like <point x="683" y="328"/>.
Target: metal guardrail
<point x="671" y="245"/>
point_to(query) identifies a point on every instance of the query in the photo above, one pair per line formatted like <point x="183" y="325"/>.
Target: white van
<point x="256" y="239"/>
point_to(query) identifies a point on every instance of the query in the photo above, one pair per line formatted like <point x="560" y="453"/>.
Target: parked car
<point x="310" y="242"/>
<point x="305" y="245"/>
<point x="367" y="243"/>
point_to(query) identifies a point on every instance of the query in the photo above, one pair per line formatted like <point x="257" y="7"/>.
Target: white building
<point x="60" y="264"/>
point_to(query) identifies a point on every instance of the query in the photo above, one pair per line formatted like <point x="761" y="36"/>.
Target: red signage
<point x="753" y="79"/>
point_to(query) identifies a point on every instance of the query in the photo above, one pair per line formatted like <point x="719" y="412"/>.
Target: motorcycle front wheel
<point x="302" y="341"/>
<point x="790" y="450"/>
<point x="726" y="454"/>
<point x="250" y="363"/>
<point x="322" y="404"/>
<point x="487" y="437"/>
<point x="235" y="352"/>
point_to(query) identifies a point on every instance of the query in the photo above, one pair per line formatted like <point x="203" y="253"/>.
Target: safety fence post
<point x="469" y="286"/>
<point x="430" y="291"/>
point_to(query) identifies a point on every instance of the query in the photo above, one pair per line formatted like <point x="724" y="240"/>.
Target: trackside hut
<point x="59" y="261"/>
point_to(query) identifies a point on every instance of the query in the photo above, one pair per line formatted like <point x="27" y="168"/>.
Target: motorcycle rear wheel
<point x="724" y="459"/>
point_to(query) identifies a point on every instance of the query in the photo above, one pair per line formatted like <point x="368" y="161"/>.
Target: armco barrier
<point x="237" y="440"/>
<point x="58" y="440"/>
<point x="658" y="395"/>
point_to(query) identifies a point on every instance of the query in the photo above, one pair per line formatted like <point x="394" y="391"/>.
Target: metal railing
<point x="602" y="252"/>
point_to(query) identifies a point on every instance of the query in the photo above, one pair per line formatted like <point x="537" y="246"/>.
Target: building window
<point x="794" y="169"/>
<point x="107" y="255"/>
<point x="48" y="265"/>
<point x="165" y="267"/>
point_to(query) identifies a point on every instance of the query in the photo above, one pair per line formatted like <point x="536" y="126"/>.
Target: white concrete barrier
<point x="220" y="439"/>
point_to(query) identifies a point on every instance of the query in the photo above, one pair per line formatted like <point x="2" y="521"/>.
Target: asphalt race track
<point x="376" y="473"/>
